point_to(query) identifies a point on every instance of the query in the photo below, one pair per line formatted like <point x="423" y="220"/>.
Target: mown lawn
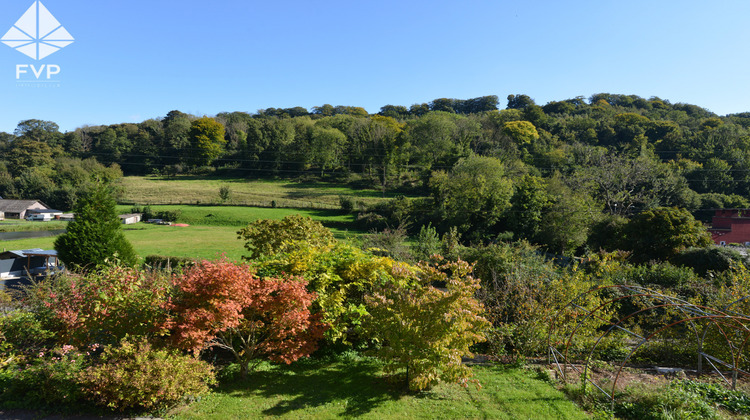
<point x="255" y="192"/>
<point x="211" y="234"/>
<point x="355" y="388"/>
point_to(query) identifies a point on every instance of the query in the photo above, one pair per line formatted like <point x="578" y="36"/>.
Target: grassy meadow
<point x="211" y="234"/>
<point x="257" y="192"/>
<point x="355" y="388"/>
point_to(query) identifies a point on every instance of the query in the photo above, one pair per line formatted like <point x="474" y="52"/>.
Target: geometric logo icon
<point x="37" y="33"/>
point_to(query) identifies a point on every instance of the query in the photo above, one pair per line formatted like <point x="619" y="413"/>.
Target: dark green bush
<point x="346" y="203"/>
<point x="50" y="380"/>
<point x="713" y="258"/>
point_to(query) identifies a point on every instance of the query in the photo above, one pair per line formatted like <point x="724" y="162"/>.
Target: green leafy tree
<point x="26" y="154"/>
<point x="39" y="130"/>
<point x="528" y="205"/>
<point x="340" y="275"/>
<point x="327" y="146"/>
<point x="427" y="322"/>
<point x="269" y="237"/>
<point x="662" y="233"/>
<point x="568" y="219"/>
<point x="207" y="138"/>
<point x="95" y="237"/>
<point x="474" y="196"/>
<point x="176" y="131"/>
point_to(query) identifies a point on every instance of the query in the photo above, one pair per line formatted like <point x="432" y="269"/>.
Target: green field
<point x="255" y="192"/>
<point x="316" y="389"/>
<point x="212" y="231"/>
<point x="13" y="225"/>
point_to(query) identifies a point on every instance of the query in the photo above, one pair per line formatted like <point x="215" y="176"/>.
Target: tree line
<point x="486" y="171"/>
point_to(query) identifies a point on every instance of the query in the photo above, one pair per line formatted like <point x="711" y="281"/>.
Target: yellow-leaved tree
<point x="425" y="321"/>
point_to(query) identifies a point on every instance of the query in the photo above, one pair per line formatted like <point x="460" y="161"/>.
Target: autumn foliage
<point x="102" y="306"/>
<point x="225" y="305"/>
<point x="426" y="321"/>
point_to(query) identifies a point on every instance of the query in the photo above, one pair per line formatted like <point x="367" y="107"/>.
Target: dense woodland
<point x="565" y="175"/>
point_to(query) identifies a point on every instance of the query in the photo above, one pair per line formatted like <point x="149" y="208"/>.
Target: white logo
<point x="37" y="33"/>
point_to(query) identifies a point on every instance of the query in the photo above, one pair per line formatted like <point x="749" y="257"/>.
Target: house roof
<point x="22" y="253"/>
<point x="17" y="206"/>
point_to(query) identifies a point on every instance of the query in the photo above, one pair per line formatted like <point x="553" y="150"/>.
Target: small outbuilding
<point x="129" y="219"/>
<point x="22" y="265"/>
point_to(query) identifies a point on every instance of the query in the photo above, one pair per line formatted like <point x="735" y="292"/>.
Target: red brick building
<point x="731" y="226"/>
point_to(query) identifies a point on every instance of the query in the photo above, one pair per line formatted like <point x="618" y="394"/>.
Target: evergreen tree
<point x="94" y="237"/>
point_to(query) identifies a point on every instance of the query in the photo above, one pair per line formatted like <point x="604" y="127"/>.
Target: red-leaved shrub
<point x="225" y="305"/>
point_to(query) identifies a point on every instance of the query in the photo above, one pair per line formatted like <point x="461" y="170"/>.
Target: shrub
<point x="101" y="307"/>
<point x="522" y="293"/>
<point x="389" y="242"/>
<point x="667" y="402"/>
<point x="268" y="237"/>
<point x="662" y="233"/>
<point x="24" y="333"/>
<point x="427" y="323"/>
<point x="225" y="305"/>
<point x="225" y="193"/>
<point x="660" y="274"/>
<point x="713" y="258"/>
<point x="166" y="262"/>
<point x="427" y="244"/>
<point x="346" y="203"/>
<point x="340" y="276"/>
<point x="169" y="215"/>
<point x="50" y="380"/>
<point x="134" y="375"/>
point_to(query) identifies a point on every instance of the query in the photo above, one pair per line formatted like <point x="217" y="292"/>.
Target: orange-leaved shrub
<point x="225" y="305"/>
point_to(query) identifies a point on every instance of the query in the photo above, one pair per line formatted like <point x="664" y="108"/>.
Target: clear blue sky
<point x="133" y="60"/>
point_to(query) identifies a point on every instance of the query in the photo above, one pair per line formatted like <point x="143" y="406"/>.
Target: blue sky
<point x="134" y="60"/>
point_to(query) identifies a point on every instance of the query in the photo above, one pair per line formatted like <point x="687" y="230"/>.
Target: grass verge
<point x="26" y="226"/>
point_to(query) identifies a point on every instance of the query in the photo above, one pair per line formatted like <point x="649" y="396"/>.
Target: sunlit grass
<point x="211" y="234"/>
<point x="356" y="388"/>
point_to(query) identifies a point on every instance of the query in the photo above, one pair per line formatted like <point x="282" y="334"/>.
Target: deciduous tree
<point x="661" y="233"/>
<point x="224" y="305"/>
<point x="207" y="138"/>
<point x="268" y="237"/>
<point x="426" y="323"/>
